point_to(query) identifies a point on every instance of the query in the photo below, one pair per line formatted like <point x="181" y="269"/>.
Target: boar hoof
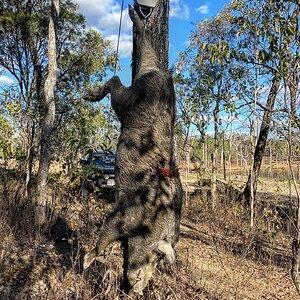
<point x="137" y="289"/>
<point x="135" y="18"/>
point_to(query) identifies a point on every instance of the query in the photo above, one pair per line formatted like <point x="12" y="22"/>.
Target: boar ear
<point x="166" y="248"/>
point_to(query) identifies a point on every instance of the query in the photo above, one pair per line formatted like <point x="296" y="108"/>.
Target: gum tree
<point x="81" y="56"/>
<point x="264" y="36"/>
<point x="211" y="80"/>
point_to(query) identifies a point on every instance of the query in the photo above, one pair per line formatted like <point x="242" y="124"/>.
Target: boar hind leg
<point x="135" y="19"/>
<point x="109" y="87"/>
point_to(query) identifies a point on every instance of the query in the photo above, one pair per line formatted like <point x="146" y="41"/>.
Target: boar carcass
<point x="148" y="189"/>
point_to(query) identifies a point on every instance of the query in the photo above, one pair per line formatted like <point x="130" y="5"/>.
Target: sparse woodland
<point x="237" y="138"/>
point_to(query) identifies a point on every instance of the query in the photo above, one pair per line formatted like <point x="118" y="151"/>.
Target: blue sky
<point x="104" y="16"/>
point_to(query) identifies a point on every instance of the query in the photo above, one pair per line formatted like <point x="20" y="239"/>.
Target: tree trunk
<point x="47" y="120"/>
<point x="158" y="27"/>
<point x="293" y="77"/>
<point x="215" y="154"/>
<point x="224" y="156"/>
<point x="229" y="154"/>
<point x="296" y="218"/>
<point x="251" y="185"/>
<point x="31" y="147"/>
<point x="292" y="81"/>
<point x="29" y="159"/>
<point x="187" y="172"/>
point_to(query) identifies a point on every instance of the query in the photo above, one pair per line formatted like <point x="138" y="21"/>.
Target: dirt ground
<point x="217" y="274"/>
<point x="206" y="269"/>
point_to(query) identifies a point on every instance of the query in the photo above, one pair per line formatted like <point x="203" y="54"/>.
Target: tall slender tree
<point x="214" y="82"/>
<point x="47" y="117"/>
<point x="276" y="26"/>
<point x="81" y="55"/>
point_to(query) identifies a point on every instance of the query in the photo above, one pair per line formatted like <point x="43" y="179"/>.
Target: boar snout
<point x="138" y="275"/>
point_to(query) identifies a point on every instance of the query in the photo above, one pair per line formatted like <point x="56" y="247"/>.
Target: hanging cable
<point x="119" y="34"/>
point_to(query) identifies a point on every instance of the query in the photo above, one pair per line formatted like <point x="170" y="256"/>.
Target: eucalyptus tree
<point x="266" y="29"/>
<point x="82" y="55"/>
<point x="290" y="111"/>
<point x="47" y="106"/>
<point x="19" y="53"/>
<point x="211" y="80"/>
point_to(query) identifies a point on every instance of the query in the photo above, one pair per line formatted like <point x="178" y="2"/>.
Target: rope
<point x="119" y="34"/>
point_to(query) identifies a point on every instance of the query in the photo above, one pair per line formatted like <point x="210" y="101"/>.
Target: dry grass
<point x="218" y="256"/>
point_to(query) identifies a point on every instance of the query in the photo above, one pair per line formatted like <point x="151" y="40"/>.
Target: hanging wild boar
<point x="146" y="214"/>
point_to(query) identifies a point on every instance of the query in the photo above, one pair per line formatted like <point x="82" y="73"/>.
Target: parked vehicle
<point x="100" y="168"/>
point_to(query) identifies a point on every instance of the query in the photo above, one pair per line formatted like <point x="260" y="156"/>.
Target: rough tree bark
<point x="292" y="82"/>
<point x="251" y="185"/>
<point x="214" y="155"/>
<point x="47" y="119"/>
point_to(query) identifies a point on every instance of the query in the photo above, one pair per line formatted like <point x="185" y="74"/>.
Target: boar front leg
<point x="110" y="87"/>
<point x="107" y="235"/>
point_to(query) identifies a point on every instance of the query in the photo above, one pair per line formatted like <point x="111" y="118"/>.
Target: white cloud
<point x="104" y="16"/>
<point x="179" y="9"/>
<point x="125" y="46"/>
<point x="5" y="80"/>
<point x="203" y="9"/>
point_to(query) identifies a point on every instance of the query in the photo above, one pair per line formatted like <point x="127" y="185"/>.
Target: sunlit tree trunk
<point x="296" y="218"/>
<point x="292" y="82"/>
<point x="229" y="154"/>
<point x="47" y="120"/>
<point x="215" y="154"/>
<point x="224" y="156"/>
<point x="37" y="75"/>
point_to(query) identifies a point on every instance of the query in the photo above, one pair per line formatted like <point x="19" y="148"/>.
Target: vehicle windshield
<point x="106" y="157"/>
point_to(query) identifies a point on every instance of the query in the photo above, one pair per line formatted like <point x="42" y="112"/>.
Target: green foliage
<point x="83" y="57"/>
<point x="232" y="57"/>
<point x="210" y="79"/>
<point x="269" y="31"/>
<point x="9" y="114"/>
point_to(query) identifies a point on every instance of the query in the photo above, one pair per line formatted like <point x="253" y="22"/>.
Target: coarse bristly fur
<point x="147" y="211"/>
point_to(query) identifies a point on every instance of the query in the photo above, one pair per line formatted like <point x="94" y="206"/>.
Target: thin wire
<point x="119" y="34"/>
